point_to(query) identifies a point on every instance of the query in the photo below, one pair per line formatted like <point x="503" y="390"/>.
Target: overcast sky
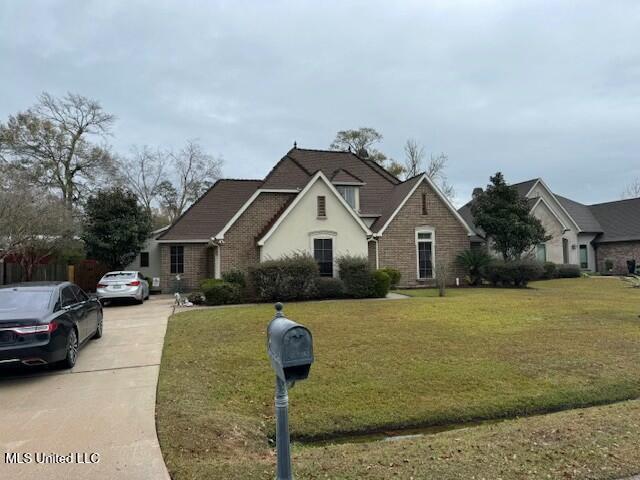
<point x="548" y="89"/>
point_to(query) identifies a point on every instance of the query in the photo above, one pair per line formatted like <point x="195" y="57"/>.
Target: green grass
<point x="477" y="353"/>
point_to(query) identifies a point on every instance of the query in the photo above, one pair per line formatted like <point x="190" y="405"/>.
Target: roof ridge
<point x="335" y="172"/>
<point x="525" y="181"/>
<point x="239" y="180"/>
<point x="411" y="178"/>
<point x="320" y="150"/>
<point x="304" y="169"/>
<point x="613" y="201"/>
<point x="373" y="165"/>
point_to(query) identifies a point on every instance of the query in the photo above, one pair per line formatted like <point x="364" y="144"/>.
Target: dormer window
<point x="351" y="194"/>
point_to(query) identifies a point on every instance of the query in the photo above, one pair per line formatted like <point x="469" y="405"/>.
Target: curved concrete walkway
<point x="105" y="405"/>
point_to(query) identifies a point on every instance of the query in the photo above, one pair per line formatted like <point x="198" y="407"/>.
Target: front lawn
<point x="475" y="354"/>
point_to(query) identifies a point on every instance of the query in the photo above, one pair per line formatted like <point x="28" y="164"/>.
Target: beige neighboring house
<point x="326" y="204"/>
<point x="585" y="235"/>
<point x="148" y="260"/>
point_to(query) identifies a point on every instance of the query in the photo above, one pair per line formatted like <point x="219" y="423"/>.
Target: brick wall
<point x="397" y="247"/>
<point x="240" y="250"/>
<point x="372" y="255"/>
<point x="619" y="253"/>
<point x="196" y="266"/>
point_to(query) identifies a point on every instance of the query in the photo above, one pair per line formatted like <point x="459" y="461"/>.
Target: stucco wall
<point x="619" y="253"/>
<point x="153" y="270"/>
<point x="397" y="246"/>
<point x="296" y="232"/>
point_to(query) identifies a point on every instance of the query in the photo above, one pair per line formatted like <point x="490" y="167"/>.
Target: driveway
<point x="104" y="406"/>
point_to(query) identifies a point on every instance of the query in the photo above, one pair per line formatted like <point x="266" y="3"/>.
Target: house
<point x="324" y="203"/>
<point x="586" y="235"/>
<point x="148" y="261"/>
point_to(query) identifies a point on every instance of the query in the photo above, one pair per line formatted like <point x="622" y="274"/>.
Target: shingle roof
<point x="524" y="187"/>
<point x="581" y="214"/>
<point x="296" y="168"/>
<point x="392" y="202"/>
<point x="342" y="175"/>
<point x="620" y="220"/>
<point x="211" y="212"/>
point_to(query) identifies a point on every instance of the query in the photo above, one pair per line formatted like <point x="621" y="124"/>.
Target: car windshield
<point x="119" y="275"/>
<point x="23" y="300"/>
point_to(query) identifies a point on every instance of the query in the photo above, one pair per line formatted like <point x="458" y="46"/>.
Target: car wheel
<point x="98" y="333"/>
<point x="72" y="350"/>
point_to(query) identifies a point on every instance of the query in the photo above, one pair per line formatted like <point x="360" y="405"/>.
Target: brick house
<point x="586" y="235"/>
<point x="325" y="203"/>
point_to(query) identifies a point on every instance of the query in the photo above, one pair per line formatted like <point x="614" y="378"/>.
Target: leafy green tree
<point x="504" y="216"/>
<point x="116" y="227"/>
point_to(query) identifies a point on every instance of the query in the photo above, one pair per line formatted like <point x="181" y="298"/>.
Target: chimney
<point x="477" y="191"/>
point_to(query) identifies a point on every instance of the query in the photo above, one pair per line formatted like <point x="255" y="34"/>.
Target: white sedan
<point x="126" y="284"/>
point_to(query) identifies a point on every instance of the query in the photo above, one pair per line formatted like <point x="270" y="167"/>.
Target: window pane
<point x="177" y="259"/>
<point x="144" y="259"/>
<point x="541" y="252"/>
<point x="424" y="235"/>
<point x="349" y="194"/>
<point x="323" y="254"/>
<point x="584" y="257"/>
<point x="425" y="267"/>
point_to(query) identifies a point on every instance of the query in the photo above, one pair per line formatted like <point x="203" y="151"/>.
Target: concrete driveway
<point x="104" y="406"/>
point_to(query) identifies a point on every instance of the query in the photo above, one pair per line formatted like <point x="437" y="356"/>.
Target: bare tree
<point x="632" y="190"/>
<point x="52" y="143"/>
<point x="34" y="225"/>
<point x="441" y="273"/>
<point x="194" y="171"/>
<point x="436" y="171"/>
<point x="414" y="158"/>
<point x="143" y="172"/>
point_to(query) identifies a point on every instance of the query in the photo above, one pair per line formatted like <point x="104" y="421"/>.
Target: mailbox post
<point x="290" y="349"/>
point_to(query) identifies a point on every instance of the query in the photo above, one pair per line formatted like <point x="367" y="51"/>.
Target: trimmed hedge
<point x="569" y="270"/>
<point x="329" y="287"/>
<point x="219" y="292"/>
<point x="196" y="298"/>
<point x="515" y="273"/>
<point x="356" y="275"/>
<point x="381" y="283"/>
<point x="290" y="278"/>
<point x="550" y="270"/>
<point x="394" y="276"/>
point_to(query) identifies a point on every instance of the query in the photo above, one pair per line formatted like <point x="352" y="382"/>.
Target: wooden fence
<point x="85" y="273"/>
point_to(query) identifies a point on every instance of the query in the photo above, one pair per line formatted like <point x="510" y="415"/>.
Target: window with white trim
<point x="323" y="253"/>
<point x="424" y="251"/>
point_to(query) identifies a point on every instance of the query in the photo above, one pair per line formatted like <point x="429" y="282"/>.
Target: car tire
<point x="72" y="350"/>
<point x="98" y="333"/>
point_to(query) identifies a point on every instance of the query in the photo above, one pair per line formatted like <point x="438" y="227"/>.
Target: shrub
<point x="569" y="270"/>
<point x="514" y="273"/>
<point x="222" y="293"/>
<point x="381" y="283"/>
<point x="196" y="298"/>
<point x="328" y="287"/>
<point x="394" y="276"/>
<point x="473" y="260"/>
<point x="290" y="278"/>
<point x="550" y="270"/>
<point x="523" y="271"/>
<point x="208" y="283"/>
<point x="356" y="275"/>
<point x="235" y="276"/>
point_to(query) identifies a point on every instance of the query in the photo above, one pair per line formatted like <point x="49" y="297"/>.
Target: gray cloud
<point x="547" y="89"/>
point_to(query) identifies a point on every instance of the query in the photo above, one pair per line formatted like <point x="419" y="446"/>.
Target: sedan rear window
<point x="119" y="275"/>
<point x="20" y="301"/>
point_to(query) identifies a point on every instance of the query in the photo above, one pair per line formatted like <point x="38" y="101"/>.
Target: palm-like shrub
<point x="473" y="260"/>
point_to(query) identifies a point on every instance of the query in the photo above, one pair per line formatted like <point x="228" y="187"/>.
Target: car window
<point x="67" y="297"/>
<point x="22" y="301"/>
<point x="119" y="275"/>
<point x="80" y="295"/>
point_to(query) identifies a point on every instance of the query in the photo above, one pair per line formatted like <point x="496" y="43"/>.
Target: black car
<point x="46" y="323"/>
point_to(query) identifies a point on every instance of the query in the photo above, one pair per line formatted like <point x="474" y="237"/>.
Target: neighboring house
<point x="586" y="235"/>
<point x="324" y="203"/>
<point x="148" y="260"/>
